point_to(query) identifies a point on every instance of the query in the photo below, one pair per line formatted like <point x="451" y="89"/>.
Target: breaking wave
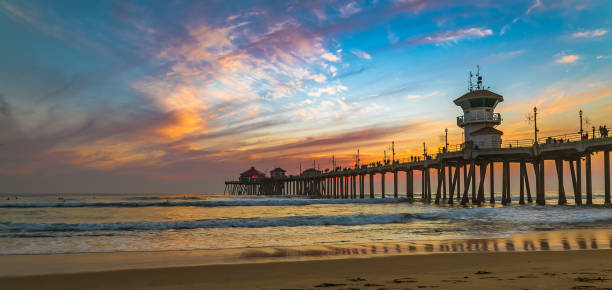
<point x="295" y="221"/>
<point x="207" y="203"/>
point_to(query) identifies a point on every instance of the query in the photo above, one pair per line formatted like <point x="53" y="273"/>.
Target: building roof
<point x="478" y="94"/>
<point x="487" y="131"/>
<point x="278" y="169"/>
<point x="311" y="171"/>
<point x="252" y="172"/>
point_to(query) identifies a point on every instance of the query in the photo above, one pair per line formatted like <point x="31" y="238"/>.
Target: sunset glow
<point x="128" y="97"/>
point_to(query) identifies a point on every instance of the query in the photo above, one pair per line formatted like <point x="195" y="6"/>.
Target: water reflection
<point x="548" y="241"/>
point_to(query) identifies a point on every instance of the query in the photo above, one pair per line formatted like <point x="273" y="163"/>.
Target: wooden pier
<point x="457" y="179"/>
<point x="463" y="166"/>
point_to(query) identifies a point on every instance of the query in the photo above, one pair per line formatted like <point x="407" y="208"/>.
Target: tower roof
<point x="478" y="94"/>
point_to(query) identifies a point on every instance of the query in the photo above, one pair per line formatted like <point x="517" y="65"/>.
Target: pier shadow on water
<point x="594" y="239"/>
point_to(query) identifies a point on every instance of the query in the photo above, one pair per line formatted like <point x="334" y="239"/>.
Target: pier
<point x="461" y="170"/>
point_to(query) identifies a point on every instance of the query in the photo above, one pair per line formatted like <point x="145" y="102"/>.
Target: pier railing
<point x="479" y="117"/>
<point x="571" y="137"/>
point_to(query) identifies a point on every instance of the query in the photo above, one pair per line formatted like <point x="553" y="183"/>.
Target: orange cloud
<point x="570" y="58"/>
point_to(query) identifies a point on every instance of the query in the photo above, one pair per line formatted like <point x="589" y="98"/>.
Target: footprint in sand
<point x="590" y="279"/>
<point x="323" y="285"/>
<point x="404" y="280"/>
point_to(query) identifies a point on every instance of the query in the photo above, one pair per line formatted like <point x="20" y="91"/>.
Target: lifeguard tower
<point x="479" y="119"/>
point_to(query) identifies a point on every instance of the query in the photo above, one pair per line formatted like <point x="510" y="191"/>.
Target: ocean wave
<point x="295" y="221"/>
<point x="207" y="203"/>
<point x="484" y="218"/>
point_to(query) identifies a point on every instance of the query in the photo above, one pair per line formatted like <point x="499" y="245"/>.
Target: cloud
<point x="361" y="54"/>
<point x="422" y="96"/>
<point x="604" y="56"/>
<point x="503" y="56"/>
<point x="590" y="33"/>
<point x="331" y="90"/>
<point x="536" y="4"/>
<point x="570" y="58"/>
<point x="455" y="36"/>
<point x="349" y="9"/>
<point x="331" y="57"/>
<point x="393" y="39"/>
<point x="319" y="78"/>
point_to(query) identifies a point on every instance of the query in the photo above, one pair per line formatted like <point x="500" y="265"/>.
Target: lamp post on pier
<point x="581" y="132"/>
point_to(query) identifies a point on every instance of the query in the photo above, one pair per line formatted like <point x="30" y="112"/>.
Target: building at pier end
<point x="479" y="118"/>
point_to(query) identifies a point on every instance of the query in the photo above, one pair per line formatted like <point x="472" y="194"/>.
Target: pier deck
<point x="449" y="166"/>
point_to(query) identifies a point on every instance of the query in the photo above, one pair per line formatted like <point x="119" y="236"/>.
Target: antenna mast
<point x="446" y="139"/>
<point x="581" y="124"/>
<point x="393" y="150"/>
<point x="535" y="124"/>
<point x="470" y="86"/>
<point x="478" y="78"/>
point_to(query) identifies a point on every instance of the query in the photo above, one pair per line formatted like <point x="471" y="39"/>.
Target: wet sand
<point x="585" y="269"/>
<point x="570" y="259"/>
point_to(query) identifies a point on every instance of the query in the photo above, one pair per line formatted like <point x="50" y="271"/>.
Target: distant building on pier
<point x="479" y="119"/>
<point x="311" y="172"/>
<point x="252" y="175"/>
<point x="278" y="173"/>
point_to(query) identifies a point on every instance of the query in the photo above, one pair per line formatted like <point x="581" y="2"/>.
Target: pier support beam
<point x="541" y="196"/>
<point x="354" y="186"/>
<point x="382" y="183"/>
<point x="443" y="173"/>
<point x="522" y="173"/>
<point x="467" y="178"/>
<point x="473" y="181"/>
<point x="483" y="174"/>
<point x="361" y="186"/>
<point x="439" y="187"/>
<point x="561" y="189"/>
<point x="346" y="186"/>
<point x="394" y="184"/>
<point x="450" y="181"/>
<point x="579" y="181"/>
<point x="589" y="179"/>
<point x="574" y="182"/>
<point x="492" y="182"/>
<point x="428" y="184"/>
<point x="409" y="185"/>
<point x="371" y="185"/>
<point x="455" y="184"/>
<point x="606" y="177"/>
<point x="505" y="183"/>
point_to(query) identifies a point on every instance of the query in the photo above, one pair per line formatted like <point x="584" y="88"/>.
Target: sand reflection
<point x="538" y="241"/>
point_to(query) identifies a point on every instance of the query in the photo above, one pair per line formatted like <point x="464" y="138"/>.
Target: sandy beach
<point x="582" y="269"/>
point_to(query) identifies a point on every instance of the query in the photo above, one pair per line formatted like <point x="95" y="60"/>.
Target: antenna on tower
<point x="478" y="78"/>
<point x="470" y="86"/>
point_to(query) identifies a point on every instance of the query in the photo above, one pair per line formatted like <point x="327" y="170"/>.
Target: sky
<point x="178" y="96"/>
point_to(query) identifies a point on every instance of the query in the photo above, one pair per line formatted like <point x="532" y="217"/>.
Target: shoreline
<point x="15" y="265"/>
<point x="586" y="269"/>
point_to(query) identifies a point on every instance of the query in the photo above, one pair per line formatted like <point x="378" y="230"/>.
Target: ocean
<point x="93" y="223"/>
